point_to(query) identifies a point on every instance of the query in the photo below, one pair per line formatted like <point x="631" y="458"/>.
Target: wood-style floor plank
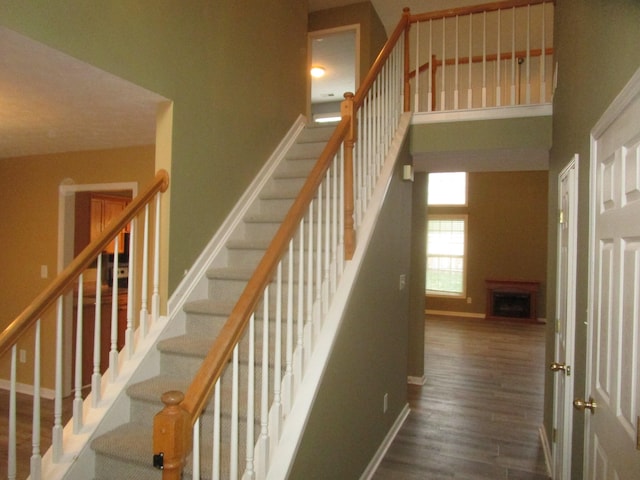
<point x="478" y="415"/>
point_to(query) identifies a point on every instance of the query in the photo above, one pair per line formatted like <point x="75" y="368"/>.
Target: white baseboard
<point x="416" y="380"/>
<point x="388" y="440"/>
<point x="546" y="447"/>
<point x="27" y="389"/>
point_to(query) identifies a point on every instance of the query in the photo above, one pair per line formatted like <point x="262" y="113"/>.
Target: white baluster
<point x="11" y="455"/>
<point x="96" y="379"/>
<point x="262" y="452"/>
<point x="431" y="67"/>
<point x="113" y="351"/>
<point x="249" y="473"/>
<point x="443" y="77"/>
<point x="308" y="331"/>
<point x="77" y="401"/>
<point x="287" y="390"/>
<point x="275" y="416"/>
<point x="56" y="436"/>
<point x="498" y="62"/>
<point x="155" y="297"/>
<point x="327" y="245"/>
<point x="528" y="66"/>
<point x="36" y="457"/>
<point x="233" y="441"/>
<point x="131" y="281"/>
<point x="456" y="82"/>
<point x="298" y="360"/>
<point x="543" y="60"/>
<point x="144" y="313"/>
<point x="215" y="457"/>
<point x="416" y="101"/>
<point x="470" y="87"/>
<point x="196" y="449"/>
<point x="513" y="56"/>
<point x="484" y="60"/>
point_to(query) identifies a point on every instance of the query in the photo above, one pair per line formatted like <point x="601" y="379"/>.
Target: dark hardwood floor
<point x="477" y="416"/>
<point x="479" y="413"/>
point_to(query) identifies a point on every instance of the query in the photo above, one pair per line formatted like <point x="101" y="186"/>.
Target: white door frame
<point x="66" y="228"/>
<point x="563" y="403"/>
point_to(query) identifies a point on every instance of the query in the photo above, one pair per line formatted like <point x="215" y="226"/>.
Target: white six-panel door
<point x="611" y="429"/>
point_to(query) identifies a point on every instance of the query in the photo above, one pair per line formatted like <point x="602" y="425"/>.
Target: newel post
<point x="172" y="436"/>
<point x="407" y="82"/>
<point x="347" y="110"/>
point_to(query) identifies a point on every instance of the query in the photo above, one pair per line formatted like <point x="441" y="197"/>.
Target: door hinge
<point x="561" y="217"/>
<point x="554" y="435"/>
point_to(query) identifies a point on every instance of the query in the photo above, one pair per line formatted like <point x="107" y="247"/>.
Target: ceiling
<point x="51" y="102"/>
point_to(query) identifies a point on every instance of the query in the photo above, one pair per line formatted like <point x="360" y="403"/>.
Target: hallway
<point x="479" y="413"/>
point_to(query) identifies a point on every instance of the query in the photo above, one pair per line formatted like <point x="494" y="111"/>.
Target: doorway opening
<point x="335" y="54"/>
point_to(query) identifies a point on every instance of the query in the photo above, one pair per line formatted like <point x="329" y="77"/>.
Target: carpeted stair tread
<point x="151" y="389"/>
<point x="187" y="345"/>
<point x="208" y="307"/>
<point x="131" y="442"/>
<point x="230" y="273"/>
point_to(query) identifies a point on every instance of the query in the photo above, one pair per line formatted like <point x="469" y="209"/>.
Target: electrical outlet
<point x="468" y="299"/>
<point x="385" y="403"/>
<point x="44" y="271"/>
<point x="23" y="355"/>
<point x="403" y="282"/>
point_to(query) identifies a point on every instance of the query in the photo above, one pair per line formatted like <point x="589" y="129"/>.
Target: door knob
<point x="580" y="404"/>
<point x="557" y="367"/>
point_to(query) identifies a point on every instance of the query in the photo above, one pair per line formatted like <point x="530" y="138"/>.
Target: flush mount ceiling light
<point x="317" y="71"/>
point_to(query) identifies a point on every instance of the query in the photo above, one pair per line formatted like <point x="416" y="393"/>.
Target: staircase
<point x="126" y="452"/>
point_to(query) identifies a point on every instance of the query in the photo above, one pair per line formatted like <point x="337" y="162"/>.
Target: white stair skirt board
<point x="388" y="440"/>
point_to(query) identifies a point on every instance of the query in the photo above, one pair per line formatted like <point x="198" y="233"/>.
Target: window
<point x="448" y="188"/>
<point x="447" y="235"/>
<point x="446" y="246"/>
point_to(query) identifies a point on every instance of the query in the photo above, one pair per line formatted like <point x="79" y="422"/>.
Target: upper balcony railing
<point x="491" y="55"/>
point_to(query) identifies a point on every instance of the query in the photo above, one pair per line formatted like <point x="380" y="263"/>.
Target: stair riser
<point x="264" y="230"/>
<point x="306" y="150"/>
<point x="204" y="325"/>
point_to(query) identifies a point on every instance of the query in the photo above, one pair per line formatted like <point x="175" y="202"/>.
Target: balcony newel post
<point x="407" y="78"/>
<point x="172" y="436"/>
<point x="347" y="110"/>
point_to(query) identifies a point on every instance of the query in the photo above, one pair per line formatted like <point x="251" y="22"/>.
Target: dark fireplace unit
<point x="509" y="299"/>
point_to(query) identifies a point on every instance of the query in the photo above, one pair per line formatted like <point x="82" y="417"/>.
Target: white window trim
<point x="453" y="216"/>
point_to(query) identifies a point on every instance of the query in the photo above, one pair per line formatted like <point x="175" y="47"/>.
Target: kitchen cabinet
<point x="104" y="208"/>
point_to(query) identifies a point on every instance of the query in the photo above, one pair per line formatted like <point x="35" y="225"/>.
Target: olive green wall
<point x="372" y="34"/>
<point x="29" y="198"/>
<point x="347" y="425"/>
<point x="597" y="53"/>
<point x="235" y="70"/>
<point x="506" y="236"/>
<point x="512" y="133"/>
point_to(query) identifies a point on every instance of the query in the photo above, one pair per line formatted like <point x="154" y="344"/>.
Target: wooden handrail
<point x="172" y="425"/>
<point x="471" y="9"/>
<point x="382" y="57"/>
<point x="68" y="276"/>
<point x="169" y="424"/>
